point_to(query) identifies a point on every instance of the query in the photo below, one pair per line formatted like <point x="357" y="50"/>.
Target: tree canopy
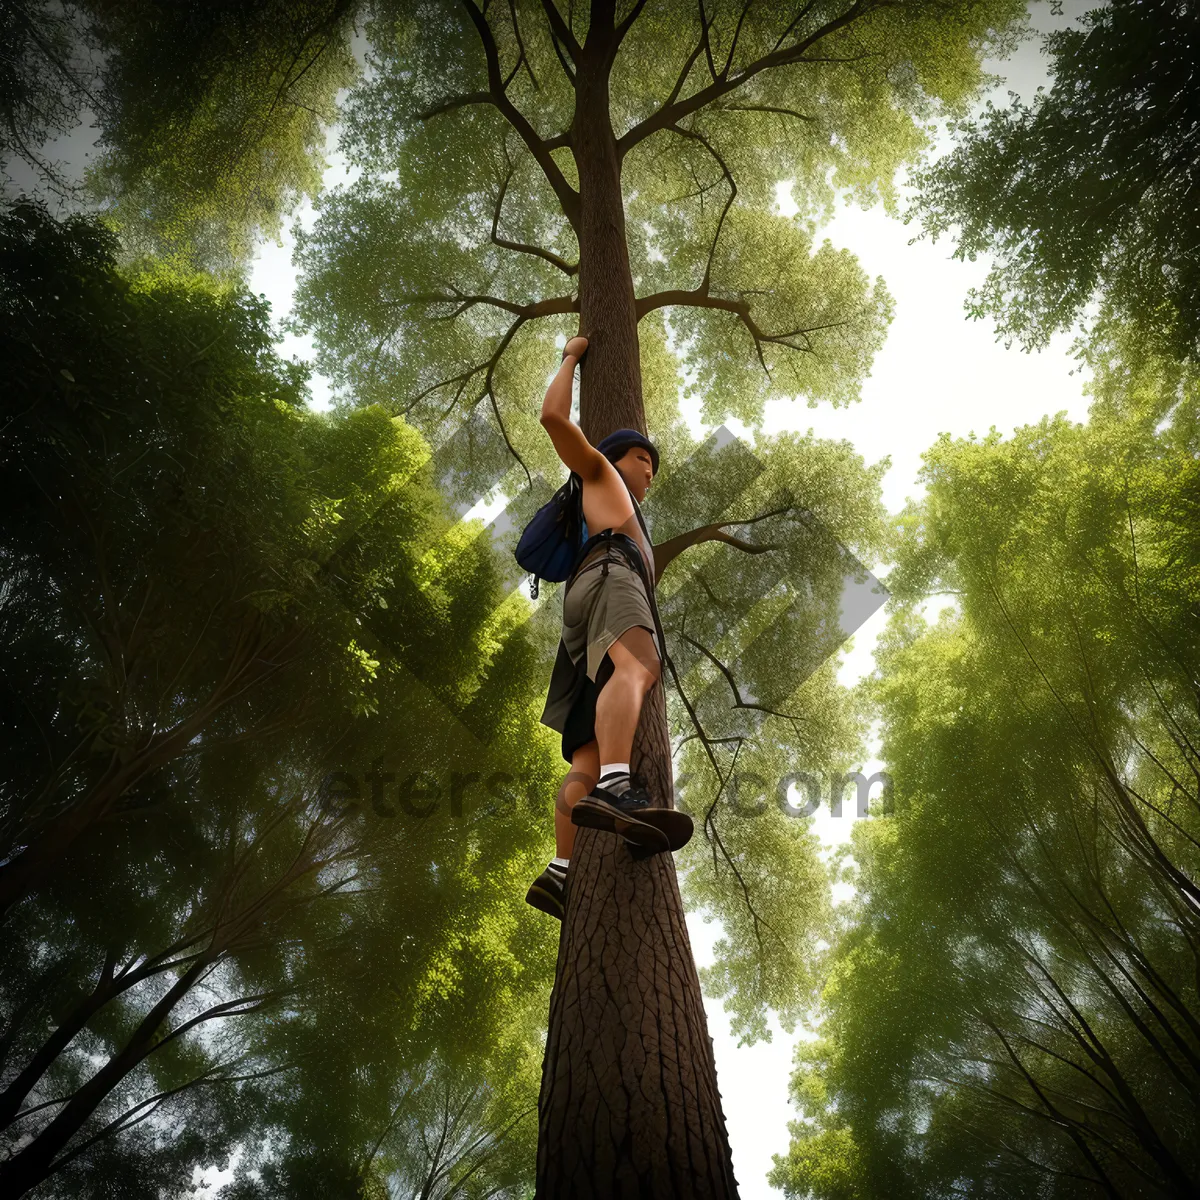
<point x="215" y="119"/>
<point x="244" y="892"/>
<point x="211" y="119"/>
<point x="464" y="219"/>
<point x="1089" y="197"/>
<point x="465" y="216"/>
<point x="1012" y="1004"/>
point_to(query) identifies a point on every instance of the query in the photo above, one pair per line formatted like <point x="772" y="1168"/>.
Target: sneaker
<point x="621" y="813"/>
<point x="676" y="826"/>
<point x="548" y="891"/>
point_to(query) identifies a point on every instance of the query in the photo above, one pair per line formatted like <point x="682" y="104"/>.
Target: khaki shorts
<point x="599" y="606"/>
<point x="606" y="597"/>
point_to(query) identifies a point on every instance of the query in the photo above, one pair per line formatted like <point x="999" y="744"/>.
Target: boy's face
<point x="637" y="469"/>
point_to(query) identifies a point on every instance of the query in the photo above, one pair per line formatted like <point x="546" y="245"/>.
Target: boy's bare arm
<point x="576" y="452"/>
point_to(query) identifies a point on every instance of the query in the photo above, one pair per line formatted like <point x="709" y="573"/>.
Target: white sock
<point x="560" y="862"/>
<point x="614" y="769"/>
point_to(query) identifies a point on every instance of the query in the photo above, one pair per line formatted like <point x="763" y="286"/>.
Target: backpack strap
<point x="651" y="595"/>
<point x="637" y="508"/>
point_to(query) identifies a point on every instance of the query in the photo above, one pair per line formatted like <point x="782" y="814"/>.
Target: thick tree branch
<point x="453" y="102"/>
<point x="627" y="24"/>
<point x="551" y="306"/>
<point x="560" y="29"/>
<point x="666" y="551"/>
<point x="767" y="108"/>
<point x="562" y="61"/>
<point x="733" y="43"/>
<point x="700" y="298"/>
<point x="497" y="95"/>
<point x="110" y="984"/>
<point x="686" y="70"/>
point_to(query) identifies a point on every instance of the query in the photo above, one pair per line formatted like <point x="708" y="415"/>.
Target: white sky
<point x="938" y="372"/>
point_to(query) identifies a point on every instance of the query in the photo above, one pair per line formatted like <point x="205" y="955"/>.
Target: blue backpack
<point x="550" y="545"/>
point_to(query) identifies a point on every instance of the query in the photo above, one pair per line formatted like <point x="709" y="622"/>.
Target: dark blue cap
<point x="618" y="442"/>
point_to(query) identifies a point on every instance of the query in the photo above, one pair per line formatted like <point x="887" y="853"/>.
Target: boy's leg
<point x="582" y="777"/>
<point x="636" y="669"/>
<point x="548" y="890"/>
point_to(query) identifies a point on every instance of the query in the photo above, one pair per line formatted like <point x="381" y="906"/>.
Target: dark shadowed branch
<point x="674" y="109"/>
<point x="560" y="29"/>
<point x="497" y="95"/>
<point x="711" y="832"/>
<point x="738" y="701"/>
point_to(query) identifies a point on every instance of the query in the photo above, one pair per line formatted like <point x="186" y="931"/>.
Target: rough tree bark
<point x="629" y="1105"/>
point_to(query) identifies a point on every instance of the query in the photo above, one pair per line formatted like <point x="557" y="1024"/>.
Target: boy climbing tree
<point x="610" y="653"/>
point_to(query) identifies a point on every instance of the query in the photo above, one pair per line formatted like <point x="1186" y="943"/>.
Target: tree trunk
<point x="610" y="382"/>
<point x="629" y="1105"/>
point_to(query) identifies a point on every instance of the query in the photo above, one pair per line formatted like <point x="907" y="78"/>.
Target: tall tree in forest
<point x="1015" y="998"/>
<point x="522" y="166"/>
<point x="1091" y="193"/>
<point x="232" y="902"/>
